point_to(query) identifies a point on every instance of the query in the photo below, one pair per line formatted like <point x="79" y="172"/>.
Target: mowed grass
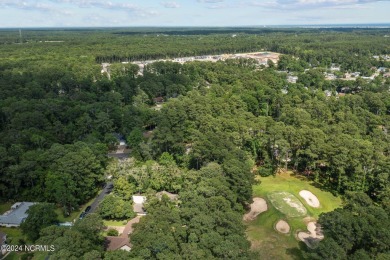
<point x="4" y="207"/>
<point x="14" y="235"/>
<point x="115" y="223"/>
<point x="287" y="203"/>
<point x="265" y="240"/>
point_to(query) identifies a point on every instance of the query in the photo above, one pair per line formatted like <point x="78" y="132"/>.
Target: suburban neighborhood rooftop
<point x="16" y="215"/>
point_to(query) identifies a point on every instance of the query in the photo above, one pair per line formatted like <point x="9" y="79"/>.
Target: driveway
<point x="107" y="190"/>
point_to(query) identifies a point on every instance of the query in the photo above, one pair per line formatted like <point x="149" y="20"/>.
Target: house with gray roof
<point x="16" y="215"/>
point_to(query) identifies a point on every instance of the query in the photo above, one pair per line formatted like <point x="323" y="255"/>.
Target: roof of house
<point x="139" y="208"/>
<point x="114" y="243"/>
<point x="17" y="214"/>
<point x="129" y="226"/>
<point x="171" y="196"/>
<point x="158" y="99"/>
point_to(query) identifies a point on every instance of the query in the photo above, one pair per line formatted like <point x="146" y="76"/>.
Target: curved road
<point x="107" y="190"/>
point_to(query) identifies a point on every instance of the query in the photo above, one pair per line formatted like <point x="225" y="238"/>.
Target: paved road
<point x="107" y="190"/>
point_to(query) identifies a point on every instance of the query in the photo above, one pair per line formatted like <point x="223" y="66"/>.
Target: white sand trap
<point x="312" y="237"/>
<point x="282" y="227"/>
<point x="310" y="198"/>
<point x="258" y="206"/>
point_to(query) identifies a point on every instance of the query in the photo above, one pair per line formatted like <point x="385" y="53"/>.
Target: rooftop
<point x="114" y="243"/>
<point x="171" y="196"/>
<point x="16" y="215"/>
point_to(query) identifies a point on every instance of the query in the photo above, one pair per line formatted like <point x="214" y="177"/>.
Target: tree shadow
<point x="297" y="253"/>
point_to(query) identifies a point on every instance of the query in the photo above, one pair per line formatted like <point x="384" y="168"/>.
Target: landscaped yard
<point x="115" y="223"/>
<point x="13" y="235"/>
<point x="261" y="231"/>
<point x="5" y="207"/>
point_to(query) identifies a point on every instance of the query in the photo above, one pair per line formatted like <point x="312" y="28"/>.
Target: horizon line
<point x="336" y="25"/>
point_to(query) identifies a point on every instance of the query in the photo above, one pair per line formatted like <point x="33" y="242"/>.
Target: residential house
<point x="292" y="79"/>
<point x="16" y="215"/>
<point x="123" y="241"/>
<point x="334" y="67"/>
<point x="158" y="100"/>
<point x="171" y="196"/>
<point x="115" y="243"/>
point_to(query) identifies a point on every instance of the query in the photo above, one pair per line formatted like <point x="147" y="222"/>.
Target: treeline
<point x="221" y="124"/>
<point x="80" y="51"/>
<point x="341" y="142"/>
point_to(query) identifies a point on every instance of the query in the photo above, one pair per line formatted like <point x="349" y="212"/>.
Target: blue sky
<point x="64" y="13"/>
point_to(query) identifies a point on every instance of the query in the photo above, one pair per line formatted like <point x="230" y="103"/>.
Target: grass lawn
<point x="115" y="223"/>
<point x="5" y="207"/>
<point x="13" y="235"/>
<point x="269" y="243"/>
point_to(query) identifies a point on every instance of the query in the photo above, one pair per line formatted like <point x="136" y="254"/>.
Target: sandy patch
<point x="282" y="227"/>
<point x="312" y="237"/>
<point x="258" y="206"/>
<point x="310" y="198"/>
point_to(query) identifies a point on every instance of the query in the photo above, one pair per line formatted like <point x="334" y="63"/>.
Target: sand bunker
<point x="312" y="237"/>
<point x="258" y="206"/>
<point x="282" y="227"/>
<point x="310" y="198"/>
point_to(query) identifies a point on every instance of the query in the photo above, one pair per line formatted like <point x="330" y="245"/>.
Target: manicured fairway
<point x="261" y="231"/>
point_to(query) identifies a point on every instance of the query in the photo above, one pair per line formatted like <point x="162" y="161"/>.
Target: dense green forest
<point x="221" y="124"/>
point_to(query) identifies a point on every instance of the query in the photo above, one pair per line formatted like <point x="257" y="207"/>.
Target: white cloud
<point x="210" y="1"/>
<point x="57" y="6"/>
<point x="307" y="4"/>
<point x="170" y="4"/>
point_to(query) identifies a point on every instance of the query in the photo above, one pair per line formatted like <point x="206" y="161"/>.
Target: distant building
<point x="158" y="100"/>
<point x="292" y="79"/>
<point x="334" y="67"/>
<point x="17" y="214"/>
<point x="328" y="93"/>
<point x="330" y="76"/>
<point x="65" y="224"/>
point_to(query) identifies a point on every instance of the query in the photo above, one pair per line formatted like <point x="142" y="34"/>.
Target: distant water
<point x="367" y="25"/>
